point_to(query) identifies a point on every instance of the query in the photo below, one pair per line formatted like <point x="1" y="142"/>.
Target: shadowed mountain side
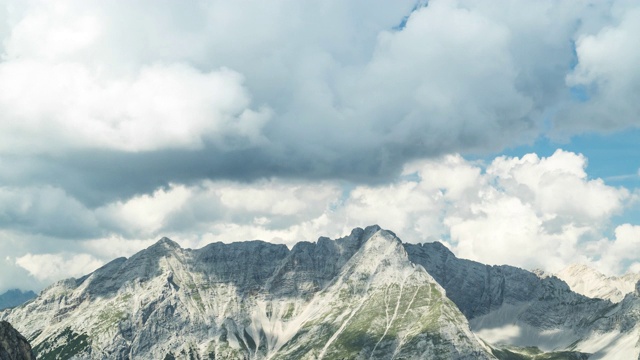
<point x="15" y="297"/>
<point x="477" y="288"/>
<point x="513" y="306"/>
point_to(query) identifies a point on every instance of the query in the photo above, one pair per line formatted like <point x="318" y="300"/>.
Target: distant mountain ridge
<point x="15" y="297"/>
<point x="366" y="295"/>
<point x="589" y="282"/>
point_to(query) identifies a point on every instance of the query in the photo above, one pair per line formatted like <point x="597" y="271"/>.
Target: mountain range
<point x="364" y="296"/>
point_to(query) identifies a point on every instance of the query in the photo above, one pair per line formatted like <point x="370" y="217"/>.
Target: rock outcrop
<point x="13" y="346"/>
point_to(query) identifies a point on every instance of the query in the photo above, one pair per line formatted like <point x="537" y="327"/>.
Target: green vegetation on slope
<point x="62" y="346"/>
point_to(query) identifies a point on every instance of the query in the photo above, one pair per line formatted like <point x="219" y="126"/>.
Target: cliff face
<point x="13" y="346"/>
<point x="512" y="306"/>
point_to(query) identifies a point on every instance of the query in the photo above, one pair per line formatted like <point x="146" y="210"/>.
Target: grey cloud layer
<point x="107" y="100"/>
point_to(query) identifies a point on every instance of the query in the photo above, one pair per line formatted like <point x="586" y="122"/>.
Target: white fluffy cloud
<point x="150" y="76"/>
<point x="173" y="106"/>
<point x="558" y="186"/>
<point x="607" y="70"/>
<point x="447" y="76"/>
<point x="51" y="267"/>
<point x="300" y="76"/>
<point x="622" y="252"/>
<point x="145" y="214"/>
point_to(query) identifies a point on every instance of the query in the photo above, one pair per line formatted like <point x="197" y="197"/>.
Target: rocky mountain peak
<point x="372" y="229"/>
<point x="382" y="238"/>
<point x="162" y="248"/>
<point x="167" y="243"/>
<point x="358" y="236"/>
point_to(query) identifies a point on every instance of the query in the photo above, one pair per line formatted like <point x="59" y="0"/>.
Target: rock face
<point x="508" y="305"/>
<point x="589" y="282"/>
<point x="13" y="346"/>
<point x="15" y="297"/>
<point x="356" y="297"/>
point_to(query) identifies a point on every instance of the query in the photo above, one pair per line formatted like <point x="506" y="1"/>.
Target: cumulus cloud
<point x="180" y="208"/>
<point x="172" y="106"/>
<point x="558" y="185"/>
<point x="607" y="73"/>
<point x="157" y="93"/>
<point x="12" y="276"/>
<point x="50" y="267"/>
<point x="498" y="213"/>
<point x="143" y="215"/>
<point x="622" y="252"/>
<point x="115" y="246"/>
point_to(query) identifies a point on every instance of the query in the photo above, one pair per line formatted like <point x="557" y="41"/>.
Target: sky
<point x="506" y="129"/>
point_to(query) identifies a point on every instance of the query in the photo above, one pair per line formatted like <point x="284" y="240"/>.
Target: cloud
<point x="500" y="213"/>
<point x="197" y="208"/>
<point x="606" y="71"/>
<point x="16" y="277"/>
<point x="114" y="246"/>
<point x="143" y="215"/>
<point x="45" y="210"/>
<point x="545" y="206"/>
<point x="532" y="212"/>
<point x="50" y="267"/>
<point x="172" y="106"/>
<point x="441" y="83"/>
<point x="621" y="253"/>
<point x="107" y="101"/>
<point x="558" y="185"/>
